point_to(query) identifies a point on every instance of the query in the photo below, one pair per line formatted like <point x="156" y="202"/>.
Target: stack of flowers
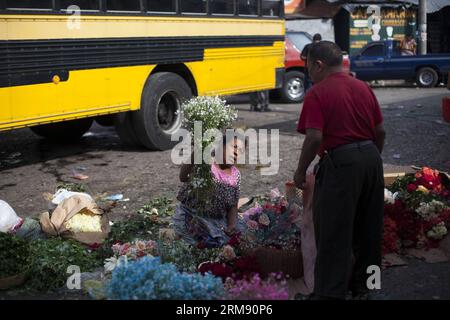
<point x="130" y="252"/>
<point x="81" y="223"/>
<point x="229" y="265"/>
<point x="274" y="223"/>
<point x="419" y="214"/>
<point x="149" y="279"/>
<point x="273" y="234"/>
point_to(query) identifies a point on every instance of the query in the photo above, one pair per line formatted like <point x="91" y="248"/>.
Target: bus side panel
<point x="239" y="70"/>
<point x="5" y="106"/>
<point x="86" y="93"/>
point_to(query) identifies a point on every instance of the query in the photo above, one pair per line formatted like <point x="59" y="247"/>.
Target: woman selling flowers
<point x="211" y="223"/>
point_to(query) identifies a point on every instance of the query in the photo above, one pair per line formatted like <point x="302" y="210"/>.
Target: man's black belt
<point x="354" y="145"/>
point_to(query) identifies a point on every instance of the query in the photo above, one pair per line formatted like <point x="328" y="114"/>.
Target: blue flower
<point x="149" y="279"/>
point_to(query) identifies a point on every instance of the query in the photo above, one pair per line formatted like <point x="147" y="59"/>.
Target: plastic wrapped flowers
<point x="84" y="223"/>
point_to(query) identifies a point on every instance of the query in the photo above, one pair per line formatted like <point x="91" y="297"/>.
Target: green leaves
<point x="50" y="259"/>
<point x="14" y="255"/>
<point x="164" y="206"/>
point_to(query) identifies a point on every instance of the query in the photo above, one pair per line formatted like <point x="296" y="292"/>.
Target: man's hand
<point x="310" y="148"/>
<point x="300" y="179"/>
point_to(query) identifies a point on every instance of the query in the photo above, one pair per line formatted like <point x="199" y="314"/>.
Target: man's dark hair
<point x="317" y="37"/>
<point x="326" y="51"/>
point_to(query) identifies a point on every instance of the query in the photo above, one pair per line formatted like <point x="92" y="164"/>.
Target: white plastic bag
<point x="63" y="194"/>
<point x="8" y="217"/>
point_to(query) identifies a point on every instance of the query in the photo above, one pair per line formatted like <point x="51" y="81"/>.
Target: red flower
<point x="429" y="178"/>
<point x="411" y="187"/>
<point x="390" y="237"/>
<point x="235" y="240"/>
<point x="94" y="246"/>
<point x="408" y="226"/>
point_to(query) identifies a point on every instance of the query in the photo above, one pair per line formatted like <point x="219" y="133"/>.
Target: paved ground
<point x="416" y="135"/>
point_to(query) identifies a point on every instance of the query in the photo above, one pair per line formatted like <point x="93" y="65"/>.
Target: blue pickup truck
<point x="382" y="60"/>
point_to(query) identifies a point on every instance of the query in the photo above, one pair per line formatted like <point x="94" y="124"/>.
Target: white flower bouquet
<point x="207" y="113"/>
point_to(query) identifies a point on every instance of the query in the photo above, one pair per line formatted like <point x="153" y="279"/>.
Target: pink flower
<point x="124" y="249"/>
<point x="252" y="225"/>
<point x="275" y="194"/>
<point x="228" y="253"/>
<point x="252" y="211"/>
<point x="264" y="220"/>
<point x="141" y="245"/>
<point x="116" y="248"/>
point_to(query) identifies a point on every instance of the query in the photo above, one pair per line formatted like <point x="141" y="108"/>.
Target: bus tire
<point x="124" y="128"/>
<point x="160" y="113"/>
<point x="427" y="77"/>
<point x="293" y="90"/>
<point x="66" y="131"/>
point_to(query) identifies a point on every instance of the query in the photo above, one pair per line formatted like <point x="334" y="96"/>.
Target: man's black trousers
<point x="348" y="220"/>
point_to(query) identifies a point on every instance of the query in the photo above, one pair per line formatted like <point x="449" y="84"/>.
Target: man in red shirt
<point x="342" y="121"/>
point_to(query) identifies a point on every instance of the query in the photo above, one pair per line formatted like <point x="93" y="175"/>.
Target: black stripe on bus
<point x="25" y="62"/>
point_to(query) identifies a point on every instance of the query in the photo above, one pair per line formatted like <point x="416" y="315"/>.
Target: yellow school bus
<point x="131" y="63"/>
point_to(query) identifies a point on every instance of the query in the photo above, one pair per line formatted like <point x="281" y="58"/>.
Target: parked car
<point x="293" y="89"/>
<point x="382" y="60"/>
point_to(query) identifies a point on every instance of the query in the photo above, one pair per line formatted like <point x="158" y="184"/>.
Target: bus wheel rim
<point x="295" y="88"/>
<point x="169" y="112"/>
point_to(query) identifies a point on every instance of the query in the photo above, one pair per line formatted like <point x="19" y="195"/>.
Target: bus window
<point x="82" y="4"/>
<point x="29" y="4"/>
<point x="248" y="7"/>
<point x="193" y="6"/>
<point x="221" y="7"/>
<point x="161" y="5"/>
<point x="271" y="8"/>
<point x="122" y="5"/>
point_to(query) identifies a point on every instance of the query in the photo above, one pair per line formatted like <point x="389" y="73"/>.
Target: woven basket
<point x="271" y="260"/>
<point x="14" y="281"/>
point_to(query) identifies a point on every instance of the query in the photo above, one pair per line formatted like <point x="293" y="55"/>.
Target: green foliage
<point x="401" y="183"/>
<point x="14" y="255"/>
<point x="186" y="257"/>
<point x="143" y="226"/>
<point x="50" y="259"/>
<point x="164" y="206"/>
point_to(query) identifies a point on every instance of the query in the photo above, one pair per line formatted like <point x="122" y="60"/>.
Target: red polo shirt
<point x="345" y="109"/>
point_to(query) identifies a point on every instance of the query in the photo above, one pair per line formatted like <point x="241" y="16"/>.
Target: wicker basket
<point x="14" y="281"/>
<point x="271" y="260"/>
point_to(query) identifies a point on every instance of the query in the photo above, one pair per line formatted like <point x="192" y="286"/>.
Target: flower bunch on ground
<point x="130" y="252"/>
<point x="419" y="216"/>
<point x="81" y="223"/>
<point x="186" y="257"/>
<point x="254" y="288"/>
<point x="238" y="268"/>
<point x="273" y="223"/>
<point x="149" y="279"/>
